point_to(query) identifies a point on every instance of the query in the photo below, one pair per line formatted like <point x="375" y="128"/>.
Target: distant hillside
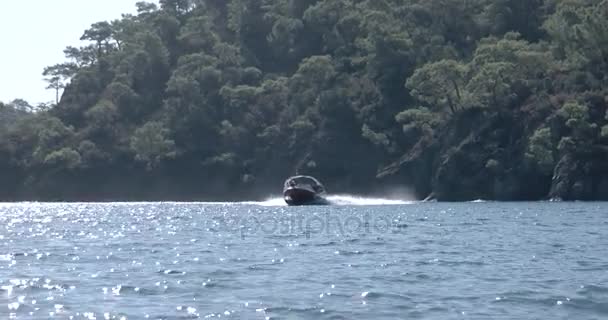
<point x="210" y="99"/>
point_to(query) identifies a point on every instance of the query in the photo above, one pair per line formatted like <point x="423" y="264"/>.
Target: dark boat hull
<point x="302" y="197"/>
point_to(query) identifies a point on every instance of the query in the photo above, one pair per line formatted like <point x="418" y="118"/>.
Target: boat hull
<point x="302" y="196"/>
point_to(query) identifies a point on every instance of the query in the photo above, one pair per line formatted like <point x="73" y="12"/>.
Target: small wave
<point x="126" y="289"/>
<point x="172" y="272"/>
<point x="290" y="311"/>
<point x="352" y="253"/>
<point x="263" y="267"/>
<point x="326" y="244"/>
<point x="593" y="289"/>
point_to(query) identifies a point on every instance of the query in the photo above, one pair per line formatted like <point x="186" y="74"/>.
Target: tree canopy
<point x="497" y="99"/>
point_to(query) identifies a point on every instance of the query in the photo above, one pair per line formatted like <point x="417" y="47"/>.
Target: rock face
<point x="580" y="178"/>
<point x="561" y="183"/>
<point x="471" y="161"/>
<point x="488" y="163"/>
<point x="415" y="167"/>
<point x="544" y="147"/>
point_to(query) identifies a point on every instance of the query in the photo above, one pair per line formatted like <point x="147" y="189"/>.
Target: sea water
<point x="358" y="259"/>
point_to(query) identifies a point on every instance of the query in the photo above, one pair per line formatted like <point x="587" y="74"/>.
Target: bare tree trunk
<point x="457" y="92"/>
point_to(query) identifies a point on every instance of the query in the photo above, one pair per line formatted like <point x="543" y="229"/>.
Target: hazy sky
<point x="35" y="32"/>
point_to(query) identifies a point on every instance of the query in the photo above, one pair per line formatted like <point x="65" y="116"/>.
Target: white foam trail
<point x="275" y="201"/>
<point x="341" y="200"/>
<point x="270" y="202"/>
<point x="350" y="200"/>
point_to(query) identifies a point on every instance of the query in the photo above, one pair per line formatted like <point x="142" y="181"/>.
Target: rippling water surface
<point x="356" y="260"/>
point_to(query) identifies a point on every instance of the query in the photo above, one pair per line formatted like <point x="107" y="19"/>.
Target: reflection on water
<point x="363" y="258"/>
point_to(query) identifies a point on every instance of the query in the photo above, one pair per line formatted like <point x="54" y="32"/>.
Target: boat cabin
<point x="305" y="180"/>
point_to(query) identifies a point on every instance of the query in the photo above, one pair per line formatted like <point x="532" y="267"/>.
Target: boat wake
<point x="341" y="200"/>
<point x="273" y="201"/>
<point x="364" y="201"/>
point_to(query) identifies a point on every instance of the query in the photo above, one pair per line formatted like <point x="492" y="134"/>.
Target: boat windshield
<point x="302" y="180"/>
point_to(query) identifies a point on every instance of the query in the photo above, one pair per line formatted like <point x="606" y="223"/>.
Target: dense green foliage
<point x="496" y="99"/>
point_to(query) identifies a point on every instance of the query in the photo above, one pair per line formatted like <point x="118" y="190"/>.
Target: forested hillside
<point x="223" y="99"/>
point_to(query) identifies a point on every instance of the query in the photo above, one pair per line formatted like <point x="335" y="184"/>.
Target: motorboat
<point x="304" y="190"/>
